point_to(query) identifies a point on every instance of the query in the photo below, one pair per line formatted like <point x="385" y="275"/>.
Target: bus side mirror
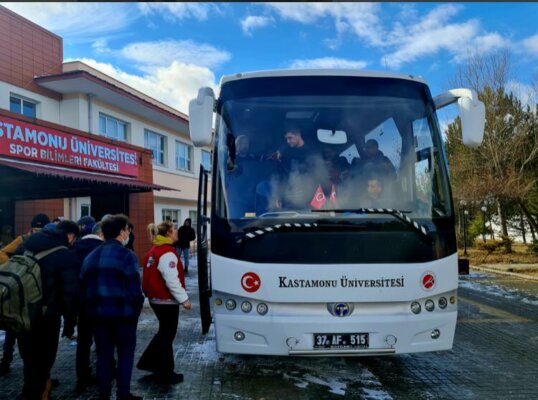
<point x="473" y="119"/>
<point x="472" y="113"/>
<point x="201" y="117"/>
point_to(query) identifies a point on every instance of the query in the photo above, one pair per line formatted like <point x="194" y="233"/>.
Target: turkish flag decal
<point x="319" y="199"/>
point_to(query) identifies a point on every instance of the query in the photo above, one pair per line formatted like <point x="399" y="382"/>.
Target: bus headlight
<point x="429" y="305"/>
<point x="230" y="304"/>
<point x="246" y="306"/>
<point x="262" y="308"/>
<point x="415" y="307"/>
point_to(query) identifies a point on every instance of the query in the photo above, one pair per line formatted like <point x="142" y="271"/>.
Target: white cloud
<point x="328" y="62"/>
<point x="434" y="33"/>
<point x="174" y="85"/>
<point x="165" y="52"/>
<point x="78" y="22"/>
<point x="332" y="44"/>
<point x="101" y="46"/>
<point x="406" y="36"/>
<point x="454" y="38"/>
<point x="531" y="44"/>
<point x="177" y="11"/>
<point x="362" y="19"/>
<point x="254" y="22"/>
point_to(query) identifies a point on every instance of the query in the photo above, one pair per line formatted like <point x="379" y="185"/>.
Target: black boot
<point x="4" y="366"/>
<point x="170" y="378"/>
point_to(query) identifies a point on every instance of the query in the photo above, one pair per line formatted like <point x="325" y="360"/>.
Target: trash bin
<point x="463" y="266"/>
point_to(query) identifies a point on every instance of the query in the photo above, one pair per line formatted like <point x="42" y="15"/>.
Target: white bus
<point x="332" y="223"/>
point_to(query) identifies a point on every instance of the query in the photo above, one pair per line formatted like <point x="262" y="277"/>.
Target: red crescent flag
<point x="319" y="198"/>
<point x="332" y="197"/>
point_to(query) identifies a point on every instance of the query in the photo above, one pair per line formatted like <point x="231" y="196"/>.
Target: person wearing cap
<point x="38" y="222"/>
<point x="59" y="276"/>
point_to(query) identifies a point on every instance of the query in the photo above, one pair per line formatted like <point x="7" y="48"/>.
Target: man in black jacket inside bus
<point x="59" y="277"/>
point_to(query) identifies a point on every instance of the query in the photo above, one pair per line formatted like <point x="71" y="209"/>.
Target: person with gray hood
<point x="82" y="248"/>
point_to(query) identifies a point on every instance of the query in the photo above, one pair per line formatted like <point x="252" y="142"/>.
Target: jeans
<point x="84" y="344"/>
<point x="185" y="253"/>
<point x="159" y="355"/>
<point x="9" y="346"/>
<point x="111" y="334"/>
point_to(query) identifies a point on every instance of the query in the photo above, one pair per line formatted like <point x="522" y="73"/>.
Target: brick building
<point x="74" y="141"/>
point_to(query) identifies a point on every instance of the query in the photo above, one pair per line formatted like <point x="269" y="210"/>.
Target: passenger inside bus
<point x="242" y="149"/>
<point x="375" y="195"/>
<point x="297" y="161"/>
<point x="249" y="182"/>
<point x="373" y="159"/>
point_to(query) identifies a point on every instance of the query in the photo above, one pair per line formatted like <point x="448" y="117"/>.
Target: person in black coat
<point x="59" y="277"/>
<point x="82" y="248"/>
<point x="185" y="236"/>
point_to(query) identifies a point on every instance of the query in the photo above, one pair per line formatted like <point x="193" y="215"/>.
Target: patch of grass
<point x="484" y="254"/>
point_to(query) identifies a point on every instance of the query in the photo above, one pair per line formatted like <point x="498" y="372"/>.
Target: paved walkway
<point x="195" y="357"/>
<point x="208" y="375"/>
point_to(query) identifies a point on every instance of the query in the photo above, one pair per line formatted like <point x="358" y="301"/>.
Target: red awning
<point x="83" y="176"/>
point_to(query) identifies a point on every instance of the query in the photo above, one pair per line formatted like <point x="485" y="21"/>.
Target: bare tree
<point x="505" y="165"/>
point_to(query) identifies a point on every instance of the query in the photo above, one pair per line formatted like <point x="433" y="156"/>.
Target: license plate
<point x="341" y="340"/>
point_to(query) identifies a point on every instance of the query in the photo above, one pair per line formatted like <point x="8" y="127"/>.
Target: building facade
<point x="41" y="93"/>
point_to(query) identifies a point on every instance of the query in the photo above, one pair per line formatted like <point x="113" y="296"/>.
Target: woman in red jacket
<point x="163" y="283"/>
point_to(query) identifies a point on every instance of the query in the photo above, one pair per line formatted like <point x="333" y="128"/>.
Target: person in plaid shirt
<point x="112" y="296"/>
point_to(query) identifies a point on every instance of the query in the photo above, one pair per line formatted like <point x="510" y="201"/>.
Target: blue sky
<point x="168" y="50"/>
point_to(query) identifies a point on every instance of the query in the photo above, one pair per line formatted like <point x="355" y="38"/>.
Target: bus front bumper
<point x="387" y="334"/>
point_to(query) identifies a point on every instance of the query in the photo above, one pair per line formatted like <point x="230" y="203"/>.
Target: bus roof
<point x="318" y="72"/>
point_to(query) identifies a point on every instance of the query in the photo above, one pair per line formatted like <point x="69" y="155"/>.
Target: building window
<point x="85" y="210"/>
<point x="172" y="216"/>
<point x="112" y="128"/>
<point x="183" y="157"/>
<point x="206" y="160"/>
<point x="193" y="217"/>
<point x="157" y="144"/>
<point x="21" y="106"/>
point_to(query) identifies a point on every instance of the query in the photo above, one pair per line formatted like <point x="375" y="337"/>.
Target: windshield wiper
<point x="399" y="214"/>
<point x="255" y="232"/>
<point x="259" y="231"/>
<point x="278" y="214"/>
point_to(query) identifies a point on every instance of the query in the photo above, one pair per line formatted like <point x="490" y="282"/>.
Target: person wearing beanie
<point x="85" y="225"/>
<point x="59" y="277"/>
<point x="50" y="226"/>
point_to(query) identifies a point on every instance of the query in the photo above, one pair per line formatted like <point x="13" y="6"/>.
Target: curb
<point x="500" y="272"/>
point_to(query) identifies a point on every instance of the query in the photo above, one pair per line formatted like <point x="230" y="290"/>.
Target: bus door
<point x="204" y="282"/>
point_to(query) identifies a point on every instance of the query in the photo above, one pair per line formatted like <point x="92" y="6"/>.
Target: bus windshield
<point x="305" y="146"/>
